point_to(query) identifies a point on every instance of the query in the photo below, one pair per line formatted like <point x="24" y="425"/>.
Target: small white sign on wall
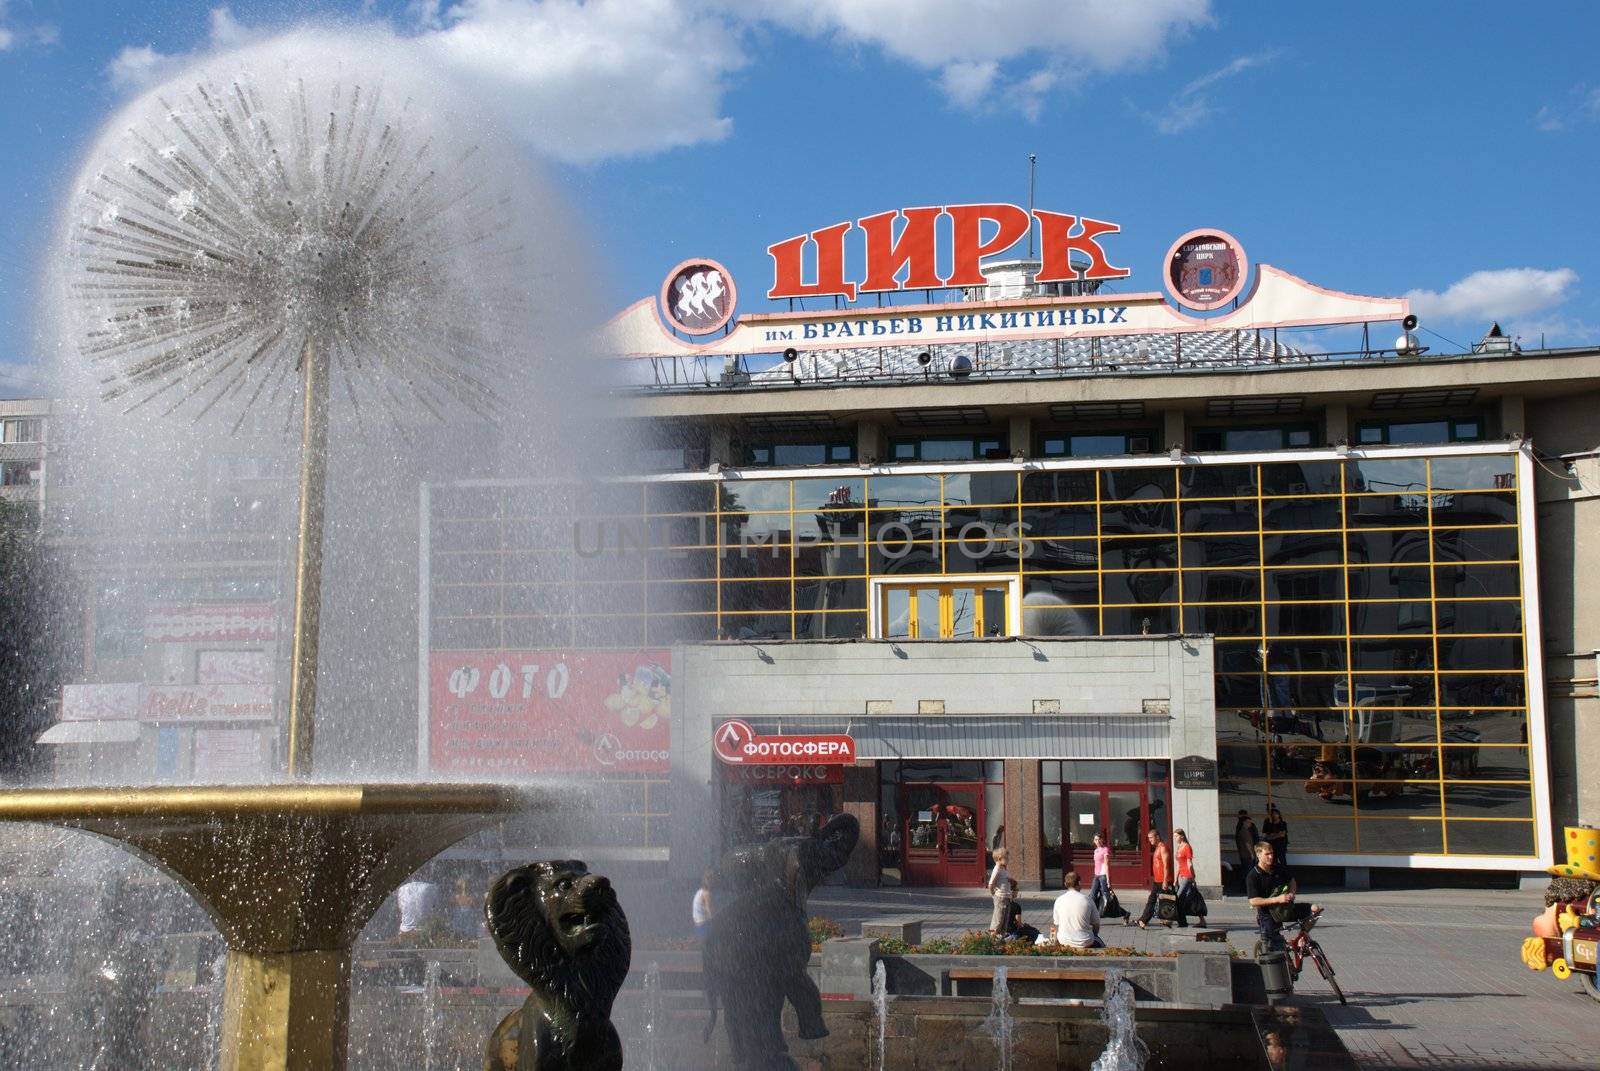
<point x="1086" y="819"/>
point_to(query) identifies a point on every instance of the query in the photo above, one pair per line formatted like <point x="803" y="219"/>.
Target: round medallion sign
<point x="1206" y="269"/>
<point x="698" y="296"/>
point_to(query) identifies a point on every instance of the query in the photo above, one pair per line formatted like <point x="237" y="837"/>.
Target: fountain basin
<point x="289" y="874"/>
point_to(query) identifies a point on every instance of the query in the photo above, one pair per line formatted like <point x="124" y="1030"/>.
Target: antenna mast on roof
<point x="1032" y="159"/>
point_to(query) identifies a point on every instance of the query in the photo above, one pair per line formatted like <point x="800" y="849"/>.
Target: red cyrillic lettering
<point x="914" y="250"/>
<point x="968" y="247"/>
<point x="788" y="265"/>
<point x="1057" y="243"/>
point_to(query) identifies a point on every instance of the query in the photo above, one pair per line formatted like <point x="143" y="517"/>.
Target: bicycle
<point x="1298" y="948"/>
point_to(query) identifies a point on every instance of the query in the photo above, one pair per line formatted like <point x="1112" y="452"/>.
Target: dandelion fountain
<point x="283" y="231"/>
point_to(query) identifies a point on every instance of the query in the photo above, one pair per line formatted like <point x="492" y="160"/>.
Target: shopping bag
<point x="1194" y="904"/>
<point x="1112" y="908"/>
<point x="1166" y="906"/>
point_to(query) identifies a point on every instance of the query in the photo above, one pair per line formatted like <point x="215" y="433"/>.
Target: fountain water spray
<point x="1000" y="1024"/>
<point x="652" y="1017"/>
<point x="880" y="1011"/>
<point x="430" y="1015"/>
<point x="309" y="222"/>
<point x="1124" y="1051"/>
<point x="263" y="233"/>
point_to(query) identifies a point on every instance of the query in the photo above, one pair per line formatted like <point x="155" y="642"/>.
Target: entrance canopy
<point x="977" y="736"/>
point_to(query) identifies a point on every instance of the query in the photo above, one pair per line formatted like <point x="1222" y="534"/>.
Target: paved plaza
<point x="1433" y="977"/>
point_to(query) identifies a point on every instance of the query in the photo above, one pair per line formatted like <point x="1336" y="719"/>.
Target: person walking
<point x="1244" y="840"/>
<point x="1188" y="892"/>
<point x="1100" y="889"/>
<point x="1275" y="831"/>
<point x="700" y="910"/>
<point x="999" y="886"/>
<point x="1160" y="881"/>
<point x="1074" y="920"/>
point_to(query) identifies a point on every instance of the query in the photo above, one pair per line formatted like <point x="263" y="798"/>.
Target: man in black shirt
<point x="1271" y="889"/>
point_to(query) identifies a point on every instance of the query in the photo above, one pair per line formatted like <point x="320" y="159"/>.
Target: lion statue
<point x="561" y="929"/>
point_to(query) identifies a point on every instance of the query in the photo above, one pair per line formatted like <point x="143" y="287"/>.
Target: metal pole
<point x="1032" y="160"/>
<point x="308" y="560"/>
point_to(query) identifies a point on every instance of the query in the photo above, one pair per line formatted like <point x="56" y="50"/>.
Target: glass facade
<point x="1371" y="677"/>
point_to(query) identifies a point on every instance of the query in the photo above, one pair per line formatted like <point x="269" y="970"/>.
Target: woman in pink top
<point x="1185" y="861"/>
<point x="1100" y="891"/>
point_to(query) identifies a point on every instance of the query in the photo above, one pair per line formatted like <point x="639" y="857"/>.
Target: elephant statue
<point x="757" y="944"/>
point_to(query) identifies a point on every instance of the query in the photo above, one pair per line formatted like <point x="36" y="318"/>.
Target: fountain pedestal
<point x="289" y="874"/>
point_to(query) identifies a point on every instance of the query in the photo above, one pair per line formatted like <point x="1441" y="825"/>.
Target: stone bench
<point x="907" y="930"/>
<point x="956" y="975"/>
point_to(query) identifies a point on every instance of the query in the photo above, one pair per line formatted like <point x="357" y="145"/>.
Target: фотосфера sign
<point x="737" y="744"/>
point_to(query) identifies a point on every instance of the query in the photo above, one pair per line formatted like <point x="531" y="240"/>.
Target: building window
<point x="937" y="609"/>
<point x="948" y="448"/>
<point x="23" y="430"/>
<point x="1404" y="432"/>
<point x="1096" y="443"/>
<point x="672" y="458"/>
<point x="1367" y="613"/>
<point x="1241" y="440"/>
<point x="794" y="455"/>
<point x="20" y="473"/>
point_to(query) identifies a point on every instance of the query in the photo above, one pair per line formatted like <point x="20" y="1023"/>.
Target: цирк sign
<point x="914" y="251"/>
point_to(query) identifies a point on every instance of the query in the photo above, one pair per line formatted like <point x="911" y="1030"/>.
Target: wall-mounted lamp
<point x="961" y="367"/>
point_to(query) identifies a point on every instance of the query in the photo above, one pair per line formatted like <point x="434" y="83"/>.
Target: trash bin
<point x="1275" y="976"/>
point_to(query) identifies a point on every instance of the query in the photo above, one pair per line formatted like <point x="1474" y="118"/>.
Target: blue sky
<point x="1447" y="150"/>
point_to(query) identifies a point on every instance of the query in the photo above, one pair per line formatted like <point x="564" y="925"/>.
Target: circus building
<point x="991" y="548"/>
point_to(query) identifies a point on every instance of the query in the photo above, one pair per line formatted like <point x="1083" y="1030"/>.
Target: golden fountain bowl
<point x="289" y="873"/>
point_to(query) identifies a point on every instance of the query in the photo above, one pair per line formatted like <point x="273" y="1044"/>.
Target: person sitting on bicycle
<point x="1271" y="889"/>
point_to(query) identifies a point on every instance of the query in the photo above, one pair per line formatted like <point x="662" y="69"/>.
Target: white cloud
<point x="1502" y="294"/>
<point x="138" y="66"/>
<point x="1581" y="105"/>
<point x="968" y="83"/>
<point x="596" y="79"/>
<point x="588" y="79"/>
<point x="1192" y="105"/>
<point x="1553" y="331"/>
<point x="1055" y="41"/>
<point x="15" y="36"/>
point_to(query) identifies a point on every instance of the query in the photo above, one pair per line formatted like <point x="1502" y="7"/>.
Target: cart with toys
<point x="1566" y="935"/>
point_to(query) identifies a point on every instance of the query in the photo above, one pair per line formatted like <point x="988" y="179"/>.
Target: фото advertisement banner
<point x="529" y="712"/>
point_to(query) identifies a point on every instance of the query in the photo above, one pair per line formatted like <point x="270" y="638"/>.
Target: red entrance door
<point x="1120" y="813"/>
<point x="943" y="834"/>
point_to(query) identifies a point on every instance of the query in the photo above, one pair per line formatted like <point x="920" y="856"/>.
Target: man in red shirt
<point x="1160" y="879"/>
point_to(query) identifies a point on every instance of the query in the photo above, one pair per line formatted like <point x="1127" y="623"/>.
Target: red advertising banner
<point x="527" y="712"/>
<point x="737" y="744"/>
